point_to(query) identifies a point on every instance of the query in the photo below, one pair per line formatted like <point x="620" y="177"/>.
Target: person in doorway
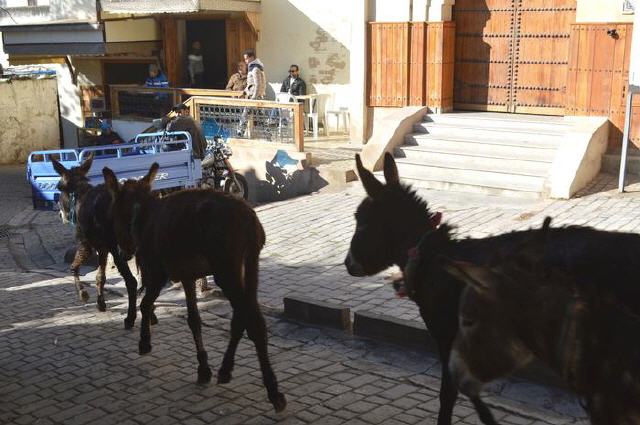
<point x="196" y="65"/>
<point x="238" y="81"/>
<point x="256" y="85"/>
<point x="293" y="84"/>
<point x="183" y="121"/>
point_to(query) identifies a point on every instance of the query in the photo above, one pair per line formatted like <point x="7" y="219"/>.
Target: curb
<point x="308" y="310"/>
<point x="401" y="332"/>
<point x="391" y="329"/>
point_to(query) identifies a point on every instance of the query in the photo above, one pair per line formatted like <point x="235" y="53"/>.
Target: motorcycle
<point x="217" y="171"/>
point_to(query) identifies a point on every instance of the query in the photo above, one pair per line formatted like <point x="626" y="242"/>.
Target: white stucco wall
<point x="4" y="58"/>
<point x="315" y="35"/>
<point x="602" y="11"/>
<point x="410" y="10"/>
<point x="29" y="119"/>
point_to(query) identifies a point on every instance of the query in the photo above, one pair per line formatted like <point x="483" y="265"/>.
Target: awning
<point x="54" y="39"/>
<point x="149" y="7"/>
<point x="146" y="7"/>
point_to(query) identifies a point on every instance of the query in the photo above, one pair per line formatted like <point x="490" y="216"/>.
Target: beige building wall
<point x="603" y="11"/>
<point x="315" y="35"/>
<point x="29" y="120"/>
<point x="132" y="30"/>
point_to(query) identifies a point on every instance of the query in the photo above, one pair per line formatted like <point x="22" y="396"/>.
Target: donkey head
<point x="70" y="181"/>
<point x="129" y="200"/>
<point x="388" y="222"/>
<point x="487" y="346"/>
<point x="506" y="312"/>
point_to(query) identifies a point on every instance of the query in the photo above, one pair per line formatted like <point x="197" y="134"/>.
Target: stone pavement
<point x="307" y="239"/>
<point x="66" y="363"/>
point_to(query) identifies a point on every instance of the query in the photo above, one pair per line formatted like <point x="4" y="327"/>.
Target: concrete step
<point x="497" y="148"/>
<point x="419" y="183"/>
<point x="471" y="178"/>
<point x="500" y="121"/>
<point x="515" y="162"/>
<point x="520" y="136"/>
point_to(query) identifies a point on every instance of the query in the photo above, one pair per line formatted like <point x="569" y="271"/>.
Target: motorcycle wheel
<point x="241" y="191"/>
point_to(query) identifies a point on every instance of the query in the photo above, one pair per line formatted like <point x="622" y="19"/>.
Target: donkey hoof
<point x="128" y="323"/>
<point x="153" y="320"/>
<point x="224" y="377"/>
<point x="279" y="402"/>
<point x="102" y="306"/>
<point x="144" y="348"/>
<point x="84" y="296"/>
<point x="204" y="375"/>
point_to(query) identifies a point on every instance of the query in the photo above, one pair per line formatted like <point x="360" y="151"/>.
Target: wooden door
<point x="512" y="55"/>
<point x="541" y="56"/>
<point x="483" y="56"/>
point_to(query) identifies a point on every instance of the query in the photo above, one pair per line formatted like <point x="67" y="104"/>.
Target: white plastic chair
<point x="343" y="113"/>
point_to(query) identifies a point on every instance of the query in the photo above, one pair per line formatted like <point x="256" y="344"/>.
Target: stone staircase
<point x="482" y="152"/>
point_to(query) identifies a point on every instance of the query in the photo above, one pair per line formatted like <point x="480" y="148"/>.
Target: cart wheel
<point x="241" y="190"/>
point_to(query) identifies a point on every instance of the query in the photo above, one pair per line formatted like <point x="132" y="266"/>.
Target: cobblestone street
<point x="65" y="363"/>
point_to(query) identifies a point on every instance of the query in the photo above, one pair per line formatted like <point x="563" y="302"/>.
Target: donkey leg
<point x="204" y="371"/>
<point x="238" y="324"/>
<point x="132" y="286"/>
<point x="484" y="413"/>
<point x="83" y="252"/>
<point x="101" y="278"/>
<point x="257" y="331"/>
<point x="448" y="388"/>
<point x="153" y="287"/>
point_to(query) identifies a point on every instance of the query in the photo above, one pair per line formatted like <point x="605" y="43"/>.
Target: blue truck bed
<point x="173" y="151"/>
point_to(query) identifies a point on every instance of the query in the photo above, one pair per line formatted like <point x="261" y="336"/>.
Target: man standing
<point x="293" y="84"/>
<point x="256" y="85"/>
<point x="256" y="79"/>
<point x="196" y="65"/>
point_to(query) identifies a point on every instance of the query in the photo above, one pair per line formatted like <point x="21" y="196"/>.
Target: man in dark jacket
<point x="184" y="122"/>
<point x="293" y="84"/>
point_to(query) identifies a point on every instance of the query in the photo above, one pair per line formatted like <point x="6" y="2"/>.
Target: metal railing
<point x="133" y="101"/>
<point x="252" y="119"/>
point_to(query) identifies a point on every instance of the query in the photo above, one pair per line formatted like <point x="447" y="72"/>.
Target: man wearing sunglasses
<point x="293" y="84"/>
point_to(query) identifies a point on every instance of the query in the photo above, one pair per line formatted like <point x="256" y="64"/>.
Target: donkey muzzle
<point x="353" y="267"/>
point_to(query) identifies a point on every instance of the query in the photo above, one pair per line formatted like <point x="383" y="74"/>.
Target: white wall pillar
<point x="440" y="10"/>
<point x="358" y="70"/>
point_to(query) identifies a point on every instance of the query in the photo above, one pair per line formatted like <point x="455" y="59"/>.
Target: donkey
<point x="94" y="232"/>
<point x="394" y="226"/>
<point x="522" y="308"/>
<point x="179" y="238"/>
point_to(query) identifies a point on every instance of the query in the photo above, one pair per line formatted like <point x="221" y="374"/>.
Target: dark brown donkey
<point x="191" y="234"/>
<point x="392" y="220"/>
<point x="389" y="222"/>
<point x="94" y="232"/>
<point x="522" y="308"/>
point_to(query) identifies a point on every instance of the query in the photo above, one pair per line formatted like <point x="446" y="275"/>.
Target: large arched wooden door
<point x="512" y="55"/>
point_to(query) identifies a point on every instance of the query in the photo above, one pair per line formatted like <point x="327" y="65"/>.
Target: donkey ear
<point x="59" y="168"/>
<point x="111" y="181"/>
<point x="86" y="165"/>
<point x="371" y="185"/>
<point x="390" y="169"/>
<point x="151" y="175"/>
<point x="478" y="277"/>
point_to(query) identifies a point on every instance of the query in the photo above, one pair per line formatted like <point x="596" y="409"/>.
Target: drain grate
<point x="4" y="231"/>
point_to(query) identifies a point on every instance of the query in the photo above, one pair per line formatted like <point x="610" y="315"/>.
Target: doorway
<point x="212" y="36"/>
<point x="512" y="55"/>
